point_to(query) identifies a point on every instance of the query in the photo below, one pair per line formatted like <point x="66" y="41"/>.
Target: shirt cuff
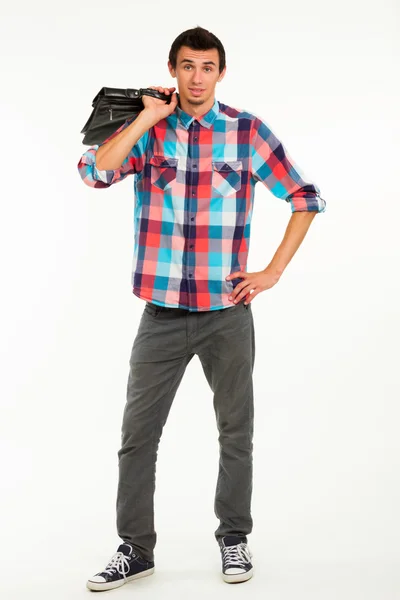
<point x="105" y="175"/>
<point x="309" y="204"/>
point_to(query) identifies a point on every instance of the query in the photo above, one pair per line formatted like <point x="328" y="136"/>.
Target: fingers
<point x="162" y="90"/>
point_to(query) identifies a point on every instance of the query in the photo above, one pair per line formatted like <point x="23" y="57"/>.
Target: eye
<point x="190" y="66"/>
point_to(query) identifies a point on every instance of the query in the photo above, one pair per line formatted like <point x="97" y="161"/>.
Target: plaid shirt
<point x="194" y="183"/>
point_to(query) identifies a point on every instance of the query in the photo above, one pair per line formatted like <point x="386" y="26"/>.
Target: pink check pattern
<point x="194" y="183"/>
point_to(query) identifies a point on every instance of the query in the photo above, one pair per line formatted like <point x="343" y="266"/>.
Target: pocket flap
<point x="231" y="165"/>
<point x="163" y="161"/>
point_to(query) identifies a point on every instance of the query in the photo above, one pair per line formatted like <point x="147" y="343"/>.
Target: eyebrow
<point x="205" y="62"/>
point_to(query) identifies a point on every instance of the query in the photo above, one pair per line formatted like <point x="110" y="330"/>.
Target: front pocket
<point x="230" y="310"/>
<point x="163" y="171"/>
<point x="226" y="177"/>
<point x="152" y="309"/>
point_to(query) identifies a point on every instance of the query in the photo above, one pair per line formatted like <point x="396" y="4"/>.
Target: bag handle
<point x="155" y="94"/>
<point x="134" y="93"/>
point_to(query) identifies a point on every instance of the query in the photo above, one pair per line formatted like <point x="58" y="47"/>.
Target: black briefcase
<point x="111" y="108"/>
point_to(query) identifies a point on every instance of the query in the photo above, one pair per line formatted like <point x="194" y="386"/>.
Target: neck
<point x="195" y="110"/>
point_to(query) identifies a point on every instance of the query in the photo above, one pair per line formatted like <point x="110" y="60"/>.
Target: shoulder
<point x="241" y="114"/>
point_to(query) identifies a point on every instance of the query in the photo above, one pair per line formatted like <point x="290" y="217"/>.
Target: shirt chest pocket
<point x="226" y="177"/>
<point x="163" y="171"/>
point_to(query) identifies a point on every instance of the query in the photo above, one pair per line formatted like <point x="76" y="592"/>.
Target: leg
<point x="157" y="364"/>
<point x="228" y="362"/>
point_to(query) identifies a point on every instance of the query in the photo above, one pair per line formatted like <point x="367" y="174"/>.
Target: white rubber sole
<point x="238" y="578"/>
<point x="98" y="587"/>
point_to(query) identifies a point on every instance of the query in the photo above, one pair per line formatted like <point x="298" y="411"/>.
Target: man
<point x="195" y="163"/>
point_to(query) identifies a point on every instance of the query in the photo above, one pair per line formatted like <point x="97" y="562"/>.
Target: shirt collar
<point x="206" y="120"/>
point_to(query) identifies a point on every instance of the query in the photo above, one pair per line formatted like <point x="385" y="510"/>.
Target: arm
<point x="124" y="152"/>
<point x="296" y="230"/>
<point x="254" y="283"/>
<point x="121" y="154"/>
<point x="272" y="165"/>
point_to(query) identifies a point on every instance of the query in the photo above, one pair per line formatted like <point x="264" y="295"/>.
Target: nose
<point x="197" y="78"/>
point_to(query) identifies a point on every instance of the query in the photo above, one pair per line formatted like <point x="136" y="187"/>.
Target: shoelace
<point x="118" y="563"/>
<point x="236" y="555"/>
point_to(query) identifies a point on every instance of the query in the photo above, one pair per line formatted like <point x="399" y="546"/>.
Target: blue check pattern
<point x="194" y="185"/>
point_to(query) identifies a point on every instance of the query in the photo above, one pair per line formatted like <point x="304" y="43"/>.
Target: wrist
<point x="148" y="117"/>
<point x="274" y="270"/>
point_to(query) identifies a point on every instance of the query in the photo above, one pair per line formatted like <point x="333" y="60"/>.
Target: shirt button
<point x="192" y="218"/>
<point x="191" y="245"/>
<point x="194" y="166"/>
<point x="195" y="139"/>
<point x="190" y="275"/>
<point x="193" y="193"/>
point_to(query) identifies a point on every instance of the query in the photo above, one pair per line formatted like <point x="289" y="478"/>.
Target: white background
<point x="326" y="448"/>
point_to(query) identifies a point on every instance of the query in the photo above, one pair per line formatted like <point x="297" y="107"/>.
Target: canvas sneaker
<point x="236" y="559"/>
<point x="125" y="565"/>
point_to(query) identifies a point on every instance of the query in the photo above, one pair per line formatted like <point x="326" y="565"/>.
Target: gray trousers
<point x="166" y="341"/>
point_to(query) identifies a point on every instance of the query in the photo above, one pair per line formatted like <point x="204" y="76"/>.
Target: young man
<point x="195" y="163"/>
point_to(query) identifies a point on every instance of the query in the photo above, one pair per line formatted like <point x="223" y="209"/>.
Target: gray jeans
<point x="166" y="341"/>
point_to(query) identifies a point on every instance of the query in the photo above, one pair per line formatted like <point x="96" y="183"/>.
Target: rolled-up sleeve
<point x="133" y="163"/>
<point x="272" y="165"/>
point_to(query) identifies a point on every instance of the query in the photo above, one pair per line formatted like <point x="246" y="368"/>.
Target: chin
<point x="197" y="101"/>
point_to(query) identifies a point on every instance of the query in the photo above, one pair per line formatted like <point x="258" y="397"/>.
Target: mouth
<point x="196" y="91"/>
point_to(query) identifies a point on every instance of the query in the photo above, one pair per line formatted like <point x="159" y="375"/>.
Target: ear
<point x="171" y="70"/>
<point x="220" y="78"/>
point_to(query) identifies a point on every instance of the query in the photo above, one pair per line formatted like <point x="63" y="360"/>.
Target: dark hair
<point x="197" y="39"/>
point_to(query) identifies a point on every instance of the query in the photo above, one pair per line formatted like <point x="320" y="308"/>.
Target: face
<point x="197" y="73"/>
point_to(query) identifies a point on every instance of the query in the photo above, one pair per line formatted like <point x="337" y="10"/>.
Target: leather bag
<point x="111" y="108"/>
